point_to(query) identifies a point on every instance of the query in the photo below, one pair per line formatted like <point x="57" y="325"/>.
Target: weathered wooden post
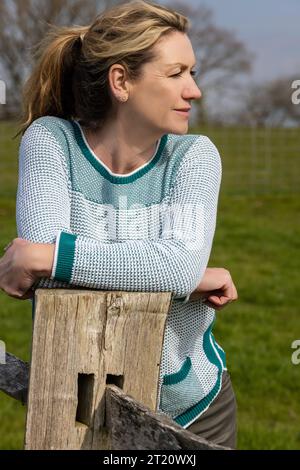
<point x="82" y="341"/>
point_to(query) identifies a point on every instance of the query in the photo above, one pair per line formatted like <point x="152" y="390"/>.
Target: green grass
<point x="258" y="240"/>
<point x="258" y="161"/>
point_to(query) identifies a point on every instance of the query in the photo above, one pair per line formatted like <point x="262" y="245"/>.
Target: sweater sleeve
<point x="174" y="263"/>
<point x="42" y="202"/>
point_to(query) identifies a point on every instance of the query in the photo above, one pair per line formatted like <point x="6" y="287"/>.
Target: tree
<point x="269" y="104"/>
<point x="23" y="23"/>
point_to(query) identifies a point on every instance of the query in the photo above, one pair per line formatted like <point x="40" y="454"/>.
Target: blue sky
<point x="270" y="29"/>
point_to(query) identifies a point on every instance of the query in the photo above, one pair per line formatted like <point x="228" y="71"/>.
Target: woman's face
<point x="167" y="85"/>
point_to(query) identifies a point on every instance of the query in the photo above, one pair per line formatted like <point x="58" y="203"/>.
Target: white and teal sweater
<point x="150" y="231"/>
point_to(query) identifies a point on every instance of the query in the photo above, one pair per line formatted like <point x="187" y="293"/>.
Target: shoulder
<point x="49" y="128"/>
<point x="194" y="144"/>
<point x="48" y="132"/>
<point x="194" y="150"/>
<point x="47" y="137"/>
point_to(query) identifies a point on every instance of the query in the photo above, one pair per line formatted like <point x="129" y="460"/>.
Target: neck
<point x="122" y="148"/>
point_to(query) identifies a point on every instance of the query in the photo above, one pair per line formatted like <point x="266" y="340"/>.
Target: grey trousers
<point x="218" y="423"/>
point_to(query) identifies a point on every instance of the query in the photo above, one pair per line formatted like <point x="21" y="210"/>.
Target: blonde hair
<point x="70" y="78"/>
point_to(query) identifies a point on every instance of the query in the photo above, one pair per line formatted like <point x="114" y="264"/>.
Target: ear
<point x="118" y="80"/>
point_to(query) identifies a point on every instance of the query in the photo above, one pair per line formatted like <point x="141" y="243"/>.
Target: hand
<point x="216" y="288"/>
<point x="16" y="269"/>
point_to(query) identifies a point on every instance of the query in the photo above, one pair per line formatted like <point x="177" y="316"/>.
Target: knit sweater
<point x="150" y="230"/>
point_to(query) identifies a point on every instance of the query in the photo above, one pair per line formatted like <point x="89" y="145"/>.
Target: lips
<point x="183" y="109"/>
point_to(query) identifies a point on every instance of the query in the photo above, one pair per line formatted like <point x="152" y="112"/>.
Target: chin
<point x="180" y="130"/>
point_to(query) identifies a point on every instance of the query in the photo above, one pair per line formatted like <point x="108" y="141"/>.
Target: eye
<point x="193" y="73"/>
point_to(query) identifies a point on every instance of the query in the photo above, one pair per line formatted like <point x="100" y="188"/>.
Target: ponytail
<point x="48" y="90"/>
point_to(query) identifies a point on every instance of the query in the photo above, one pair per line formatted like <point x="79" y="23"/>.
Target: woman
<point x="113" y="193"/>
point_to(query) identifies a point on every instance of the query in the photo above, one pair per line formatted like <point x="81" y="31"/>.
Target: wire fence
<point x="257" y="160"/>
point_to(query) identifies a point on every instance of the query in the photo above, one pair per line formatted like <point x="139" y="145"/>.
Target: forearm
<point x="134" y="265"/>
<point x="42" y="258"/>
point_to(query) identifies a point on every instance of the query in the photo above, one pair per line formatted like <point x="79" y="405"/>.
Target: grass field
<point x="258" y="240"/>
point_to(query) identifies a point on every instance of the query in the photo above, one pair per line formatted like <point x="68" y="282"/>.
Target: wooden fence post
<point x="82" y="341"/>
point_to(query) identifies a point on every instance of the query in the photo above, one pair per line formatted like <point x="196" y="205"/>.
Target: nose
<point x="192" y="92"/>
<point x="198" y="93"/>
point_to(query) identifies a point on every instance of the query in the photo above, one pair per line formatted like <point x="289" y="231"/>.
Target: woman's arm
<point x="24" y="262"/>
<point x="174" y="263"/>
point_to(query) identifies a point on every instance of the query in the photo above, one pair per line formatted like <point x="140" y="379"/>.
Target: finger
<point x="219" y="300"/>
<point x="214" y="296"/>
<point x="229" y="292"/>
<point x="227" y="289"/>
<point x="7" y="246"/>
<point x="235" y="294"/>
<point x="213" y="305"/>
<point x="221" y="295"/>
<point x="28" y="295"/>
<point x="216" y="301"/>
